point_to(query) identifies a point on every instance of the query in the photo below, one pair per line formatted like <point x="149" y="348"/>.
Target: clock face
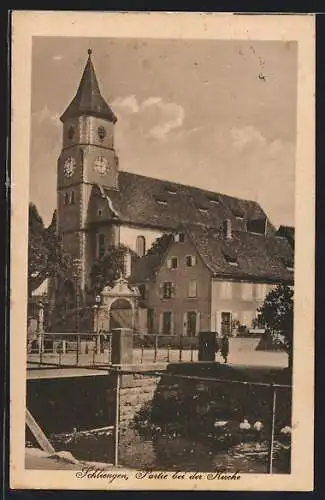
<point x="101" y="165"/>
<point x="69" y="166"/>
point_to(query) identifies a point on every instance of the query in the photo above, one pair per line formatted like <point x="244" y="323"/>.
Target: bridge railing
<point x="72" y="349"/>
<point x="92" y="349"/>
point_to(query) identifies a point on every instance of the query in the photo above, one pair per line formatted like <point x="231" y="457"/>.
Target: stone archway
<point x="119" y="306"/>
<point x="121" y="314"/>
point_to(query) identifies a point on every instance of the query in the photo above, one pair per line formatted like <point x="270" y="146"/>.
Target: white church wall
<point x="128" y="236"/>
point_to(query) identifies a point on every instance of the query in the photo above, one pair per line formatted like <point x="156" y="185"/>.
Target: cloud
<point x="45" y="116"/>
<point x="129" y="103"/>
<point x="155" y="117"/>
<point x="244" y="136"/>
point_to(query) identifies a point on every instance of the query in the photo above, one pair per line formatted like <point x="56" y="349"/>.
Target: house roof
<point x="244" y="256"/>
<point x="167" y="205"/>
<point x="88" y="99"/>
<point x="287" y="232"/>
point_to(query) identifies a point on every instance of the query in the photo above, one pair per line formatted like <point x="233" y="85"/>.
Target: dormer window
<point x="238" y="213"/>
<point x="179" y="237"/>
<point x="289" y="264"/>
<point x="161" y="201"/>
<point x="230" y="257"/>
<point x="214" y="200"/>
<point x="202" y="210"/>
<point x="171" y="191"/>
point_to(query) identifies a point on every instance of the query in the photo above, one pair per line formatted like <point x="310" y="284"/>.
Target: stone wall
<point x="136" y="392"/>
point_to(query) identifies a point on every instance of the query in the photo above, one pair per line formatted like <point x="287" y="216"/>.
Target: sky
<point x="217" y="114"/>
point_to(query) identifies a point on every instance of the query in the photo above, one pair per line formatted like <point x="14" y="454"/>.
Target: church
<point x="225" y="239"/>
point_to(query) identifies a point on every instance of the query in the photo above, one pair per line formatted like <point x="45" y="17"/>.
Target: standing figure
<point x="225" y="347"/>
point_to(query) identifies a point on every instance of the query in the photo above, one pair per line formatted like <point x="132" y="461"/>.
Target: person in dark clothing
<point x="225" y="348"/>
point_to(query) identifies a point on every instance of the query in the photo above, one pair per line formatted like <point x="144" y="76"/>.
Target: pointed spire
<point x="88" y="99"/>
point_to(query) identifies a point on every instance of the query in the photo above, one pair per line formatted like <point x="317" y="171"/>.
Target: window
<point x="171" y="191"/>
<point x="99" y="213"/>
<point x="214" y="200"/>
<point x="246" y="318"/>
<point x="202" y="210"/>
<point x="167" y="290"/>
<point x="161" y="201"/>
<point x="150" y="320"/>
<point x="192" y="289"/>
<point x="66" y="198"/>
<point x="247" y="291"/>
<point x="101" y="245"/>
<point x="260" y="291"/>
<point x="72" y="198"/>
<point x="167" y="323"/>
<point x="226" y="289"/>
<point x="140" y="245"/>
<point x="190" y="260"/>
<point x="142" y="290"/>
<point x="226" y="325"/>
<point x="172" y="263"/>
<point x="179" y="238"/>
<point x="230" y="257"/>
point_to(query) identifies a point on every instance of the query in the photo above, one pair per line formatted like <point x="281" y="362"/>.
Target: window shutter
<point x="161" y="290"/>
<point x="185" y="323"/>
<point x="160" y="323"/>
<point x="193" y="260"/>
<point x="198" y="318"/>
<point x="169" y="263"/>
<point x="173" y="290"/>
<point x="172" y="323"/>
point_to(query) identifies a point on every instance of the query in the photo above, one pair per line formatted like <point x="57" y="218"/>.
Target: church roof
<point x="88" y="99"/>
<point x="156" y="203"/>
<point x="245" y="256"/>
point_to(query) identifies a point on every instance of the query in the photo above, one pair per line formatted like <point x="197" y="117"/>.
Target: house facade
<point x="208" y="281"/>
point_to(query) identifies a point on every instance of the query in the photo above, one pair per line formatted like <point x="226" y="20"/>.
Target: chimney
<point x="140" y="246"/>
<point x="227" y="230"/>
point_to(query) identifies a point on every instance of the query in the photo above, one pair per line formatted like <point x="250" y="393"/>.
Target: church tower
<point x="87" y="158"/>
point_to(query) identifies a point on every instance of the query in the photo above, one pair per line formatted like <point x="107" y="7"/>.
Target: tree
<point x="276" y="314"/>
<point x="109" y="268"/>
<point x="46" y="257"/>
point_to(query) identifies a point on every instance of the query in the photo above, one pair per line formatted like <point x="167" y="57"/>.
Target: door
<point x="167" y="323"/>
<point x="191" y="323"/>
<point x="225" y="323"/>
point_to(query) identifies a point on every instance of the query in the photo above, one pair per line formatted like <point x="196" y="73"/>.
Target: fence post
<point x="142" y="348"/>
<point x="192" y="353"/>
<point x="168" y="353"/>
<point x="180" y="348"/>
<point x="271" y="444"/>
<point x="117" y="418"/>
<point x="156" y="349"/>
<point x="77" y="353"/>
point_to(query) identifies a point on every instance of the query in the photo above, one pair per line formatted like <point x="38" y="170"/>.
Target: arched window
<point x="140" y="245"/>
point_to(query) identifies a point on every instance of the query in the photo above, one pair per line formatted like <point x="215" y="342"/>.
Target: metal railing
<point x="70" y="350"/>
<point x="94" y="349"/>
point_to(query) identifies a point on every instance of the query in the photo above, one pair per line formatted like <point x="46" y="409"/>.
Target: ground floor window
<point x="150" y="319"/>
<point x="167" y="322"/>
<point x="191" y="323"/>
